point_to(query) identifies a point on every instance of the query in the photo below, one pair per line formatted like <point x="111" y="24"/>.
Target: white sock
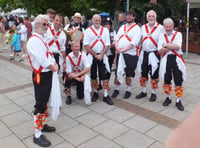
<point x="144" y="90"/>
<point x="117" y="87"/>
<point x="153" y="91"/>
<point x="38" y="132"/>
<point x="105" y="93"/>
<point x="128" y="88"/>
<point x="177" y="100"/>
<point x="95" y="90"/>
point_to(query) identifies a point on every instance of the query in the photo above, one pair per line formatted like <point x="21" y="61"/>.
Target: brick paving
<point x="128" y="124"/>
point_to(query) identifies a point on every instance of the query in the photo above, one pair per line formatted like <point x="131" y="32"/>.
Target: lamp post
<point x="127" y="6"/>
<point x="187" y="26"/>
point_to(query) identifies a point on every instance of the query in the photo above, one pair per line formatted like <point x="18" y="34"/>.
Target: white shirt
<point x="148" y="45"/>
<point x="177" y="41"/>
<point x="83" y="64"/>
<point x="134" y="34"/>
<point x="61" y="39"/>
<point x="90" y="38"/>
<point x="37" y="52"/>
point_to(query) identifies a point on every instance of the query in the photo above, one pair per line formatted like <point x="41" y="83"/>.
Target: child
<point x="16" y="45"/>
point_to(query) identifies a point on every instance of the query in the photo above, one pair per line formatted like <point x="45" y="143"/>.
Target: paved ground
<point x="128" y="124"/>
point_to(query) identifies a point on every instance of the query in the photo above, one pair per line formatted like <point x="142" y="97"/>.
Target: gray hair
<point x="41" y="17"/>
<point x="153" y="12"/>
<point x="168" y="20"/>
<point x="122" y="14"/>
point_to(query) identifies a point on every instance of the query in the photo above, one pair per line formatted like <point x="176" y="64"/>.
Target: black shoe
<point x="48" y="128"/>
<point x="80" y="97"/>
<point x="127" y="94"/>
<point x="141" y="95"/>
<point x="152" y="98"/>
<point x="167" y="102"/>
<point x="95" y="97"/>
<point x="115" y="93"/>
<point x="68" y="100"/>
<point x="12" y="59"/>
<point x="179" y="106"/>
<point x="108" y="100"/>
<point x="41" y="141"/>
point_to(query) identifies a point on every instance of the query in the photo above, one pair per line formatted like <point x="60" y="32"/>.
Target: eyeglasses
<point x="45" y="24"/>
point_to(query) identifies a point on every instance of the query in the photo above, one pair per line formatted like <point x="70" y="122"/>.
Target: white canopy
<point x="194" y="3"/>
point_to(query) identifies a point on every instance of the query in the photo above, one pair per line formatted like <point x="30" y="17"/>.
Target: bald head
<point x="96" y="19"/>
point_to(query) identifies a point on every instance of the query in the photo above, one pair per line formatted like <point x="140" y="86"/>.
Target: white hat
<point x="77" y="14"/>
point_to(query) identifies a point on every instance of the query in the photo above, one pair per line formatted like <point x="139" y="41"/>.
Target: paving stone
<point x="4" y="100"/>
<point x="75" y="110"/>
<point x="133" y="139"/>
<point x="24" y="100"/>
<point x="16" y="118"/>
<point x="91" y="119"/>
<point x="101" y="107"/>
<point x="140" y="124"/>
<point x="111" y="129"/>
<point x="99" y="142"/>
<point x="29" y="107"/>
<point x="119" y="115"/>
<point x="78" y="135"/>
<point x="4" y="131"/>
<point x="63" y="123"/>
<point x="10" y="142"/>
<point x="24" y="130"/>
<point x="64" y="145"/>
<point x="172" y="112"/>
<point x="157" y="145"/>
<point x="159" y="133"/>
<point x="153" y="106"/>
<point x="9" y="109"/>
<point x="16" y="94"/>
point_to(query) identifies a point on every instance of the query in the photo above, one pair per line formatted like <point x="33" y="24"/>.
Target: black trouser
<point x="146" y="68"/>
<point x="172" y="70"/>
<point x="102" y="72"/>
<point x="56" y="56"/>
<point x="79" y="86"/>
<point x="131" y="64"/>
<point x="110" y="60"/>
<point x="42" y="91"/>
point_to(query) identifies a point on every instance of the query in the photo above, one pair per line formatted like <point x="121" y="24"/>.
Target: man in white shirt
<point x="149" y="59"/>
<point x="77" y="67"/>
<point x="43" y="65"/>
<point x="50" y="12"/>
<point x="56" y="40"/>
<point x="97" y="41"/>
<point x="172" y="64"/>
<point x="126" y="41"/>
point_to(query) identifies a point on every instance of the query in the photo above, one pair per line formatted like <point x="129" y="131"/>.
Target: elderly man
<point x="126" y="41"/>
<point x="96" y="42"/>
<point x="77" y="68"/>
<point x="56" y="40"/>
<point x="172" y="64"/>
<point x="43" y="64"/>
<point x="149" y="60"/>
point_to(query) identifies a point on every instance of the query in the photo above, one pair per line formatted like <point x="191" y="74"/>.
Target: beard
<point x="129" y="20"/>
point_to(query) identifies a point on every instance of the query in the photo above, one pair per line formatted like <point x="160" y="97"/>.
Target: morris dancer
<point x="172" y="64"/>
<point x="126" y="40"/>
<point x="77" y="68"/>
<point x="149" y="59"/>
<point x="96" y="42"/>
<point x="43" y="64"/>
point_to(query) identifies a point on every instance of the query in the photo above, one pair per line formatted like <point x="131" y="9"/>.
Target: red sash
<point x="98" y="37"/>
<point x="55" y="37"/>
<point x="126" y="32"/>
<point x="150" y="37"/>
<point x="74" y="65"/>
<point x="37" y="77"/>
<point x="172" y="39"/>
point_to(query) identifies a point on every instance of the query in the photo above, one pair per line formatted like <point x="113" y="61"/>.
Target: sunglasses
<point x="45" y="24"/>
